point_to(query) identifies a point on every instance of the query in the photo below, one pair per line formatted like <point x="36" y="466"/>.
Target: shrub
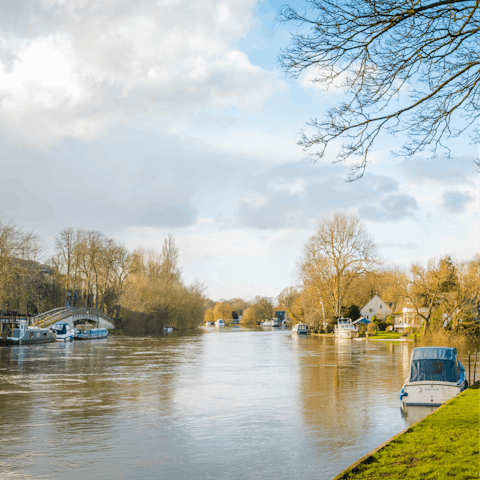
<point x="372" y="327"/>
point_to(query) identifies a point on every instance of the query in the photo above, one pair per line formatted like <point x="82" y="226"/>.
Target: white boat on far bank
<point x="345" y="329"/>
<point x="63" y="332"/>
<point x="270" y="323"/>
<point x="300" y="329"/>
<point x="220" y="323"/>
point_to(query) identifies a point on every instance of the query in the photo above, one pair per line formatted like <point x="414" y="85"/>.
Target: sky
<point x="143" y="118"/>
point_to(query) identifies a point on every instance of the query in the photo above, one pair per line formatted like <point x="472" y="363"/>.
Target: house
<point x="376" y="306"/>
<point x="409" y="318"/>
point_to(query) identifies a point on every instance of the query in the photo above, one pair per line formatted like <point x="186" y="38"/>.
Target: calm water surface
<point x="225" y="403"/>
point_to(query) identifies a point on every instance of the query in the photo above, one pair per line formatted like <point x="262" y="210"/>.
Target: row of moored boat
<point x="21" y="334"/>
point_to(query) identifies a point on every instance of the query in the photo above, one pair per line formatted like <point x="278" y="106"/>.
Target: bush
<point x="371" y="327"/>
<point x="362" y="328"/>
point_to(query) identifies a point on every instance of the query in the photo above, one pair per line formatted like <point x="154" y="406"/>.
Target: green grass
<point x="444" y="445"/>
<point x="386" y="335"/>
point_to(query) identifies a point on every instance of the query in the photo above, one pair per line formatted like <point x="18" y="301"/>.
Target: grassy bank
<point x="443" y="445"/>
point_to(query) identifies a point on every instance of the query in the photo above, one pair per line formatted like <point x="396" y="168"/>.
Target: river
<point x="228" y="403"/>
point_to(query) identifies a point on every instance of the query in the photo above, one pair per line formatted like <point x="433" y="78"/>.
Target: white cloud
<point x="75" y="68"/>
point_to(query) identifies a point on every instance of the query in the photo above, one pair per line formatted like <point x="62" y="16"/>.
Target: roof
<point x="361" y="320"/>
<point x="434" y="353"/>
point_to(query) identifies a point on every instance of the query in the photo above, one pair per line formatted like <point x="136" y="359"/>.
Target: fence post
<point x="475" y="366"/>
<point x="469" y="368"/>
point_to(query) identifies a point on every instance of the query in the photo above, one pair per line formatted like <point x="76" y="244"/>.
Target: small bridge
<point x="73" y="316"/>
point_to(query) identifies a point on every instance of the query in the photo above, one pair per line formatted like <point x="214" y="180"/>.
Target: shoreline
<point x="368" y="465"/>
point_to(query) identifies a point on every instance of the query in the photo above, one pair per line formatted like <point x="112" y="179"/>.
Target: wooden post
<point x="468" y="368"/>
<point x="475" y="366"/>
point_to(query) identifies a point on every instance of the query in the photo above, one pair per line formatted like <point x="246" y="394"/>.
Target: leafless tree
<point x="338" y="253"/>
<point x="425" y="54"/>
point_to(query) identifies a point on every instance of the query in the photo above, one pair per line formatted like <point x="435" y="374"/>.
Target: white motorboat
<point x="63" y="332"/>
<point x="345" y="329"/>
<point x="436" y="375"/>
<point x="208" y="323"/>
<point x="167" y="329"/>
<point x="270" y="323"/>
<point x="300" y="329"/>
<point x="220" y="323"/>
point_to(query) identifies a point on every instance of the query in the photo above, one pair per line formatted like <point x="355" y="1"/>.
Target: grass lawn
<point x="386" y="335"/>
<point x="444" y="445"/>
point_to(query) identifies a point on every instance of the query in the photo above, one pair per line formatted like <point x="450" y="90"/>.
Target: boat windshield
<point x="435" y="370"/>
<point x="435" y="364"/>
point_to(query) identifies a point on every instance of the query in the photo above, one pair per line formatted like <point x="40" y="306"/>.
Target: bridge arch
<point x="74" y="316"/>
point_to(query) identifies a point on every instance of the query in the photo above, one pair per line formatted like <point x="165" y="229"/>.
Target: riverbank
<point x="445" y="444"/>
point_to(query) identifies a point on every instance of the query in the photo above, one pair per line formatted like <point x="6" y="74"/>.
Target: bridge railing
<point x="58" y="314"/>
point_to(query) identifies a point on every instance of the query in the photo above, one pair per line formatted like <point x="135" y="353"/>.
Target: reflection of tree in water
<point x="342" y="383"/>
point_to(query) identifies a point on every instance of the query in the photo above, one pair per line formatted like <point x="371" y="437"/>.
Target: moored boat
<point x="345" y="329"/>
<point x="87" y="332"/>
<point x="63" y="332"/>
<point x="436" y="375"/>
<point x="220" y="323"/>
<point x="300" y="329"/>
<point x="16" y="332"/>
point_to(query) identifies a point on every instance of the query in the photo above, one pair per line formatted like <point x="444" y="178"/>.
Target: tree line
<point x="142" y="289"/>
<point x="340" y="270"/>
<point x="250" y="313"/>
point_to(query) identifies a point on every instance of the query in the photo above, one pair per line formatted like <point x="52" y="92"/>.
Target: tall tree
<point x="340" y="251"/>
<point x="423" y="52"/>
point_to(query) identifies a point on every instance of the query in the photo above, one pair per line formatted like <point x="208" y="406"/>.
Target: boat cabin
<point x="439" y="364"/>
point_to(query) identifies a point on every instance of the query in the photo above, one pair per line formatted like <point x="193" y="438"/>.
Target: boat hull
<point x="65" y="338"/>
<point x="430" y="393"/>
<point x="37" y="337"/>
<point x="92" y="334"/>
<point x="346" y="334"/>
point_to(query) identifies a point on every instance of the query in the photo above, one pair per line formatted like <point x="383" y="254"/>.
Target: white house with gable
<point x="376" y="306"/>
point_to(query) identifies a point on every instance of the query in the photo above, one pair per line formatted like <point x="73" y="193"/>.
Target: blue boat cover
<point x="435" y="363"/>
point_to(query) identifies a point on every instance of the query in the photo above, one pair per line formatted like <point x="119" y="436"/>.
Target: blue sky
<point x="145" y="118"/>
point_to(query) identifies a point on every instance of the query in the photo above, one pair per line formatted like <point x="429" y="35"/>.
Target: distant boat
<point x="87" y="332"/>
<point x="167" y="329"/>
<point x="63" y="332"/>
<point x="220" y="323"/>
<point x="436" y="375"/>
<point x="17" y="333"/>
<point x="345" y="329"/>
<point x="300" y="329"/>
<point x="208" y="323"/>
<point x="270" y="323"/>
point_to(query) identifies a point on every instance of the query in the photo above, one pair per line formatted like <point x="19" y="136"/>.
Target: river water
<point x="229" y="403"/>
